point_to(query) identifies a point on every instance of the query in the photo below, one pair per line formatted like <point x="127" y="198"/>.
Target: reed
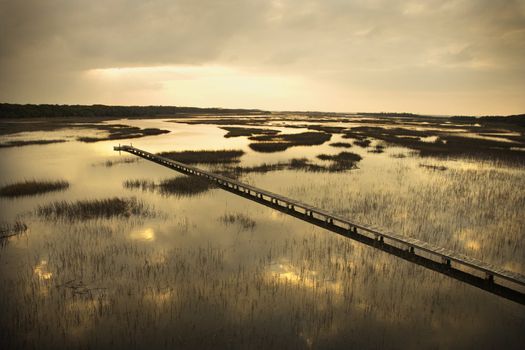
<point x="95" y="209"/>
<point x="236" y="131"/>
<point x="182" y="185"/>
<point x="28" y="143"/>
<point x="9" y="230"/>
<point x="119" y="132"/>
<point x="341" y="161"/>
<point x="362" y="143"/>
<point x="269" y="147"/>
<point x="32" y="187"/>
<point x="293" y="164"/>
<point x="111" y="162"/>
<point x="341" y="144"/>
<point x="280" y="142"/>
<point x="308" y="138"/>
<point x="204" y="157"/>
<point x="341" y="157"/>
<point x="245" y="222"/>
<point x="380" y="148"/>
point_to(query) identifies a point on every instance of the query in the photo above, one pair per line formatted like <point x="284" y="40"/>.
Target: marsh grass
<point x="281" y="142"/>
<point x="364" y="143"/>
<point x="236" y="131"/>
<point x="433" y="167"/>
<point x="111" y="162"/>
<point x="95" y="209"/>
<point x="256" y="121"/>
<point x="142" y="184"/>
<point x="204" y="157"/>
<point x="293" y="164"/>
<point x="115" y="131"/>
<point x="8" y="230"/>
<point x="185" y="186"/>
<point x="352" y="134"/>
<point x="327" y="129"/>
<point x="341" y="144"/>
<point x="182" y="186"/>
<point x="380" y="148"/>
<point x="341" y="161"/>
<point x="270" y="147"/>
<point x="94" y="285"/>
<point x="32" y="187"/>
<point x="398" y="155"/>
<point x="303" y="139"/>
<point x="244" y="221"/>
<point x="97" y="289"/>
<point x="447" y="143"/>
<point x="29" y="143"/>
<point x="341" y="157"/>
<point x="118" y="132"/>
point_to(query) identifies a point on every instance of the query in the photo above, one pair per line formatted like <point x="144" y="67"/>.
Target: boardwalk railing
<point x="504" y="283"/>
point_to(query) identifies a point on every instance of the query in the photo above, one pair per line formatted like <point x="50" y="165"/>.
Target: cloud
<point x="350" y="47"/>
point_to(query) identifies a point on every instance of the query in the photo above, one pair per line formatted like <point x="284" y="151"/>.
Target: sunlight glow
<point x="196" y="85"/>
<point x="286" y="273"/>
<point x="147" y="234"/>
<point x="41" y="271"/>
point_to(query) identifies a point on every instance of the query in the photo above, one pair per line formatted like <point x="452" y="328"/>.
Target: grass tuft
<point x="119" y="132"/>
<point x="269" y="147"/>
<point x="362" y="143"/>
<point x="242" y="220"/>
<point x="236" y="131"/>
<point x="95" y="209"/>
<point x="8" y="230"/>
<point x="341" y="144"/>
<point x="204" y="157"/>
<point x="377" y="149"/>
<point x="433" y="167"/>
<point x="342" y="161"/>
<point x="278" y="143"/>
<point x="32" y="187"/>
<point x="183" y="186"/>
<point x="28" y="143"/>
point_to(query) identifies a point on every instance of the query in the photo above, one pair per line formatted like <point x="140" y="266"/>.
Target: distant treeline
<point x="518" y="119"/>
<point x="8" y="110"/>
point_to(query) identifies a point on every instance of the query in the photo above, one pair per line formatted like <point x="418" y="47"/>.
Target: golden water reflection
<point x="41" y="270"/>
<point x="145" y="234"/>
<point x="285" y="272"/>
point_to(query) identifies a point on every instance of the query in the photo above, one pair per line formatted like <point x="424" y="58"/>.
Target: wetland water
<point x="215" y="270"/>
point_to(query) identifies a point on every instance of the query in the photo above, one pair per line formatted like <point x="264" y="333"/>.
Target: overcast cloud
<point x="435" y="57"/>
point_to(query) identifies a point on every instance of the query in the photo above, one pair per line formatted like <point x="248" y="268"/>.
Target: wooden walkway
<point x="504" y="283"/>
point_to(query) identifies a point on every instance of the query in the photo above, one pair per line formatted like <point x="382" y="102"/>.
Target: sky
<point x="440" y="57"/>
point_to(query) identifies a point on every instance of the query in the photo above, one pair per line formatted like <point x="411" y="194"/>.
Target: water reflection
<point x="41" y="271"/>
<point x="147" y="234"/>
<point x="284" y="272"/>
